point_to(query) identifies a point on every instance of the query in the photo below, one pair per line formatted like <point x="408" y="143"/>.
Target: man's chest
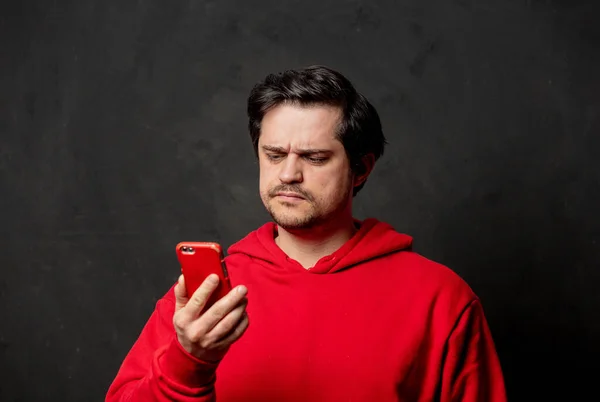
<point x="326" y="348"/>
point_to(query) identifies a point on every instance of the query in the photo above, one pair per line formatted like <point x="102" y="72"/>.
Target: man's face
<point x="305" y="176"/>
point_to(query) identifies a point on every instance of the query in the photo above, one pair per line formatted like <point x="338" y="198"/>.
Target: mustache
<point x="287" y="188"/>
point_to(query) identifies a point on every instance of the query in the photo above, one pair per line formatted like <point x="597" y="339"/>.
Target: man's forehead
<point x="300" y="127"/>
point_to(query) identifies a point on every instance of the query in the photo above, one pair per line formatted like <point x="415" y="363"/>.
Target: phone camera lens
<point x="190" y="249"/>
<point x="184" y="248"/>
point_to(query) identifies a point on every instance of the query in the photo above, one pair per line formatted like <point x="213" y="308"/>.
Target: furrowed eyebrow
<point x="274" y="149"/>
<point x="308" y="151"/>
<point x="313" y="151"/>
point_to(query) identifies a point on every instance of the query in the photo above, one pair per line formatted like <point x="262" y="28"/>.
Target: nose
<point x="291" y="171"/>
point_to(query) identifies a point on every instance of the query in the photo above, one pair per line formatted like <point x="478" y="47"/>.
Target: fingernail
<point x="242" y="289"/>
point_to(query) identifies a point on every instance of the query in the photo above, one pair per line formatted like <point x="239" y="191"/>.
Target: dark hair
<point x="360" y="130"/>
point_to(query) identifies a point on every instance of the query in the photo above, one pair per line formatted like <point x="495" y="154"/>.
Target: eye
<point x="274" y="157"/>
<point x="316" y="160"/>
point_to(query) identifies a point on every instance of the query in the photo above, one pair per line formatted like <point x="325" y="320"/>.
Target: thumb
<point x="181" y="298"/>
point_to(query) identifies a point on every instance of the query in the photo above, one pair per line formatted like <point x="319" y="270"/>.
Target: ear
<point x="364" y="169"/>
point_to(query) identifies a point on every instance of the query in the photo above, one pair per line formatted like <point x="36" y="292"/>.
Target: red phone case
<point x="198" y="260"/>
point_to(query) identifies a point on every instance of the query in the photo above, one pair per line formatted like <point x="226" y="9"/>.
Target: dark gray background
<point x="123" y="131"/>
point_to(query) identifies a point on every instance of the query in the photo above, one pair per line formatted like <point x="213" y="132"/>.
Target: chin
<point x="294" y="225"/>
<point x="291" y="221"/>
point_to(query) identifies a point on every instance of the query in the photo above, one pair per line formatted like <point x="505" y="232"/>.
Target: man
<point x="341" y="309"/>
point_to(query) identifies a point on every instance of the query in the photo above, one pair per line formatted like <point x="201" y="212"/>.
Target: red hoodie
<point x="373" y="321"/>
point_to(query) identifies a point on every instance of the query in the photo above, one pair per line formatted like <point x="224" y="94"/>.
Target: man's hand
<point x="209" y="336"/>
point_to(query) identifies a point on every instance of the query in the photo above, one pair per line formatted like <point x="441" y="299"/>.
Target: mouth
<point x="290" y="197"/>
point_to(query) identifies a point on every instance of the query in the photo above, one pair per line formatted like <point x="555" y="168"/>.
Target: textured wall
<point x="123" y="131"/>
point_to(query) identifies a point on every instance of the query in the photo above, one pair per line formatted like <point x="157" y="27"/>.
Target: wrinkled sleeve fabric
<point x="157" y="368"/>
<point x="471" y="371"/>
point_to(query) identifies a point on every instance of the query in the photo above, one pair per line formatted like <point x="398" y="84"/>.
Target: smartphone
<point x="197" y="261"/>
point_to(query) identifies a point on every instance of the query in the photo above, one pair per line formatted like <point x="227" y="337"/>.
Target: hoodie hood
<point x="373" y="239"/>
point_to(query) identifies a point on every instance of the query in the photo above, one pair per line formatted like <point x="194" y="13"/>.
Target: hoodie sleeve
<point x="472" y="371"/>
<point x="157" y="368"/>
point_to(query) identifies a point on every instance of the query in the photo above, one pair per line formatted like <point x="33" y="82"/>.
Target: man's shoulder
<point x="429" y="275"/>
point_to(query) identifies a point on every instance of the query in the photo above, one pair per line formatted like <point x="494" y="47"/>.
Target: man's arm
<point x="158" y="369"/>
<point x="471" y="371"/>
<point x="177" y="353"/>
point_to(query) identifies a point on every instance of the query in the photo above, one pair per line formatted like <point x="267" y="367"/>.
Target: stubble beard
<point x="299" y="217"/>
<point x="291" y="221"/>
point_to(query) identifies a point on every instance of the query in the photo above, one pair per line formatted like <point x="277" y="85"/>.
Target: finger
<point x="237" y="332"/>
<point x="221" y="308"/>
<point x="224" y="327"/>
<point x="181" y="298"/>
<point x="201" y="296"/>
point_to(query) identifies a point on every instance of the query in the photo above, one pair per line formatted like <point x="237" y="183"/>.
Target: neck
<point x="310" y="245"/>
